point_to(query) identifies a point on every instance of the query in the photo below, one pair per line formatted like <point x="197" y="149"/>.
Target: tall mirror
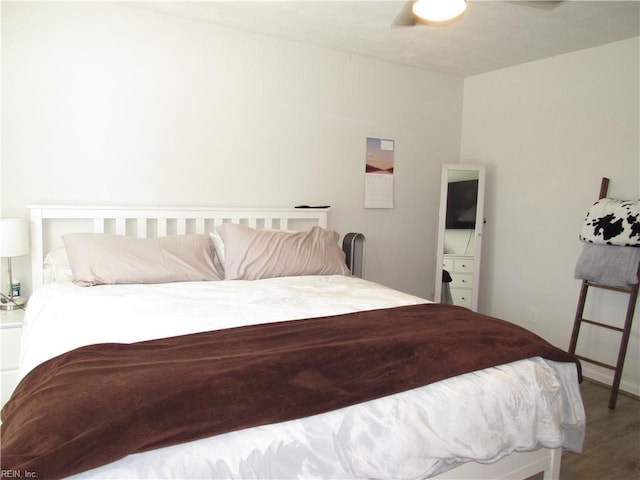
<point x="460" y="224"/>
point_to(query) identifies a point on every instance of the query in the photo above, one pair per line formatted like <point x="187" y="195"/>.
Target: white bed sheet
<point x="482" y="415"/>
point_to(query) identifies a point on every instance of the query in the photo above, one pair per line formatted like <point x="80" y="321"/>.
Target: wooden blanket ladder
<point x="632" y="291"/>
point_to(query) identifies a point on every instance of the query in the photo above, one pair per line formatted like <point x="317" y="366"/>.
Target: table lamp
<point x="14" y="242"/>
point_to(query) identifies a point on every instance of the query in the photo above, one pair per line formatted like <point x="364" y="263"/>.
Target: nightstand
<point x="10" y="334"/>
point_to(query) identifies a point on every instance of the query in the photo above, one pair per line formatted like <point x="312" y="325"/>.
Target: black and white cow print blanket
<point x="613" y="222"/>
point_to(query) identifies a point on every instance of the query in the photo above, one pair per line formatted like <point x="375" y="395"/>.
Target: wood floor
<point x="612" y="443"/>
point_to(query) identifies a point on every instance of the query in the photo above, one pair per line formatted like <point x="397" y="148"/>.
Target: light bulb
<point x="439" y="11"/>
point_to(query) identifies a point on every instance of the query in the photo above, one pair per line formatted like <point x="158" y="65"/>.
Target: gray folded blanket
<point x="608" y="265"/>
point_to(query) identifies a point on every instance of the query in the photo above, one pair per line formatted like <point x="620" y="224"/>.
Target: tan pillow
<point x="98" y="258"/>
<point x="252" y="254"/>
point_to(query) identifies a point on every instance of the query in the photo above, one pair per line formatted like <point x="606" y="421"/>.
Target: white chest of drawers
<point x="460" y="267"/>
<point x="10" y="334"/>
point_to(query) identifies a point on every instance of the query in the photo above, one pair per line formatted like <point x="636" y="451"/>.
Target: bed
<point x="303" y="385"/>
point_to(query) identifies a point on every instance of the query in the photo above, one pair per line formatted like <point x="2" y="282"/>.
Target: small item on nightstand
<point x="313" y="206"/>
<point x="15" y="288"/>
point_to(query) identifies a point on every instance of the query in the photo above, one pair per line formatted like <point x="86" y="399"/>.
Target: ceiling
<point x="491" y="35"/>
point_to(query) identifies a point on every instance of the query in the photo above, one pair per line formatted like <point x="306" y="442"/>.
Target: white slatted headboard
<point x="49" y="223"/>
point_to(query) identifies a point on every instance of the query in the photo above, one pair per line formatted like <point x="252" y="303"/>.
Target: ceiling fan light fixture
<point x="439" y="11"/>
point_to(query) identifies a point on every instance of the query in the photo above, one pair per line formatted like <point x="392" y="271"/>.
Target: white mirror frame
<point x="479" y="224"/>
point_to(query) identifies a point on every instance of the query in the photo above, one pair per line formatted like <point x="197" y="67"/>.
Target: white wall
<point x="548" y="131"/>
<point x="104" y="104"/>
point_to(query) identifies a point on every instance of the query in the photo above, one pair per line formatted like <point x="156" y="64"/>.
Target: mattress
<point x="479" y="416"/>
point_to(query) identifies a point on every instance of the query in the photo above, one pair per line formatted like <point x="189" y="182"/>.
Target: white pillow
<point x="56" y="266"/>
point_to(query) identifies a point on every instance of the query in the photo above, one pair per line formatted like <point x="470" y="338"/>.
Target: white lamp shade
<point x="14" y="237"/>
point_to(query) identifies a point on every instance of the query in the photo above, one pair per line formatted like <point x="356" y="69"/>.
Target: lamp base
<point x="18" y="302"/>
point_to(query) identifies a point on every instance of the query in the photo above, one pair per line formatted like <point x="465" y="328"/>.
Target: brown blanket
<point x="99" y="403"/>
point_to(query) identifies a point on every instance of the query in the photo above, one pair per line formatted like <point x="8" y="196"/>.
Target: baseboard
<point x="606" y="378"/>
